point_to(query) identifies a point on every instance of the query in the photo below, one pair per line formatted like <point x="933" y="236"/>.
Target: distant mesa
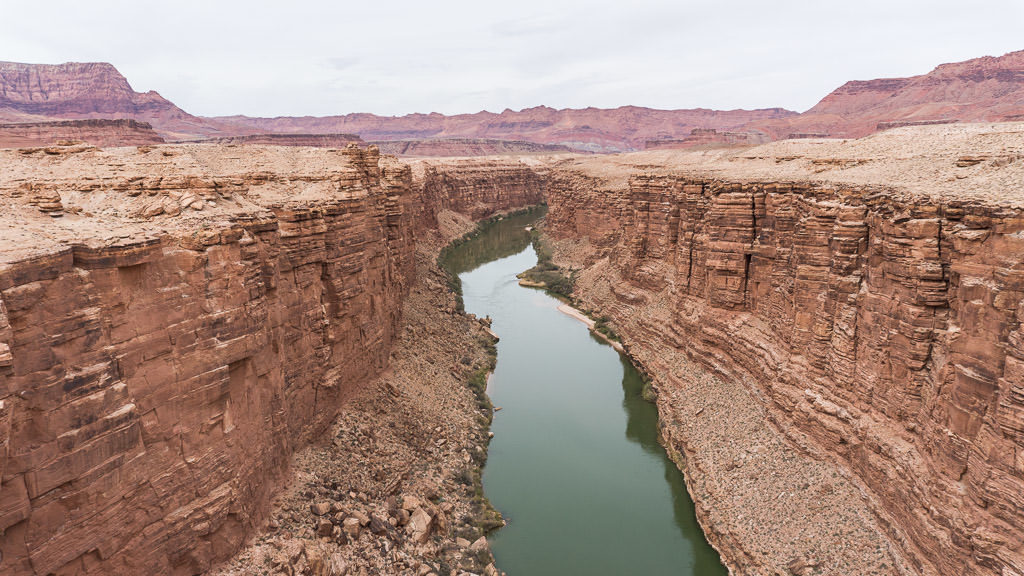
<point x="467" y="147"/>
<point x="98" y="132"/>
<point x="315" y="140"/>
<point x="709" y="138"/>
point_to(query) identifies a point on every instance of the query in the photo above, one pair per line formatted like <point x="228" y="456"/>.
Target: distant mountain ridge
<point x="987" y="89"/>
<point x="588" y="129"/>
<point x="981" y="89"/>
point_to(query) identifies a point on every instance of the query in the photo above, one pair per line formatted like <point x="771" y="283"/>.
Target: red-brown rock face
<point x="95" y="132"/>
<point x="888" y="331"/>
<point x="477" y="188"/>
<point x="882" y="326"/>
<point x="158" y="368"/>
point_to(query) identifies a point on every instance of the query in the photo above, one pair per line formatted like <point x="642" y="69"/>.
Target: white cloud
<point x="329" y="57"/>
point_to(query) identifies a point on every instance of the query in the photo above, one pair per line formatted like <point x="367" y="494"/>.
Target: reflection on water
<point x="575" y="465"/>
<point x="642" y="428"/>
<point x="492" y="241"/>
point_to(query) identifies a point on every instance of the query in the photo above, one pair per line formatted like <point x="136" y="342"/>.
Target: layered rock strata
<point x="876" y="326"/>
<point x="159" y="366"/>
<point x="95" y="132"/>
<point x="316" y="140"/>
<point x="466" y="147"/>
<point x="477" y="187"/>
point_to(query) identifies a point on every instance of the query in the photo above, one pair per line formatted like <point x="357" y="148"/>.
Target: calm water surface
<point x="575" y="465"/>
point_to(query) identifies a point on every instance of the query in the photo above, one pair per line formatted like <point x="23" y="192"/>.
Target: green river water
<point x="575" y="465"/>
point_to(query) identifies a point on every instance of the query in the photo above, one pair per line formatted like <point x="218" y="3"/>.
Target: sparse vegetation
<point x="546" y="272"/>
<point x="449" y="259"/>
<point x="602" y="324"/>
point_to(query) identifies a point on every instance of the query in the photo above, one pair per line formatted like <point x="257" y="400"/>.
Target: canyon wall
<point x="879" y="327"/>
<point x="159" y="367"/>
<point x="477" y="187"/>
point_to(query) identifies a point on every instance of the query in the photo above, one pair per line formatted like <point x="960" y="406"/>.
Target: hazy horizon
<point x="457" y="57"/>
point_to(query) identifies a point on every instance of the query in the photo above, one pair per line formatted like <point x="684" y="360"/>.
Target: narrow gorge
<point x="833" y="329"/>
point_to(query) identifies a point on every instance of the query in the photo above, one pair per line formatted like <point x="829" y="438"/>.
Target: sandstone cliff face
<point x="879" y="327"/>
<point x="158" y="368"/>
<point x="95" y="132"/>
<point x="477" y="188"/>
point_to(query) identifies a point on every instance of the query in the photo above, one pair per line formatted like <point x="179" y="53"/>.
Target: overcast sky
<point x="297" y="57"/>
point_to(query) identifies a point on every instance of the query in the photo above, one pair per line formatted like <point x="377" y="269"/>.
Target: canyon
<point x="833" y="330"/>
<point x="176" y="321"/>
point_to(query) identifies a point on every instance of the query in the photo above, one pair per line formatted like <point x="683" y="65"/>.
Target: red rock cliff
<point x="158" y="367"/>
<point x="879" y="326"/>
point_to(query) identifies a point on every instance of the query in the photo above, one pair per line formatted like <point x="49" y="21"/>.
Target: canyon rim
<point x="233" y="344"/>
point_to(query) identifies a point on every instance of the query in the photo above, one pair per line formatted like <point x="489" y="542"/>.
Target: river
<point x="575" y="466"/>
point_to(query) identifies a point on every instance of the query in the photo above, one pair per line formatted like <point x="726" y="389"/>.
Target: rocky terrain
<point x="833" y="331"/>
<point x="175" y="322"/>
<point x="394" y="488"/>
<point x="95" y="132"/>
<point x="985" y="89"/>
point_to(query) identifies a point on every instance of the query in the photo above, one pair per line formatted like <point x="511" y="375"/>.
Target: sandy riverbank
<point x="570" y="311"/>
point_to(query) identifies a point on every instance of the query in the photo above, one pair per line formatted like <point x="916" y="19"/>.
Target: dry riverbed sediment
<point x="394" y="488"/>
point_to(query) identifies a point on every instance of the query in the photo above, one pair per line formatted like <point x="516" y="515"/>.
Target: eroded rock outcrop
<point x="878" y="325"/>
<point x="158" y="367"/>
